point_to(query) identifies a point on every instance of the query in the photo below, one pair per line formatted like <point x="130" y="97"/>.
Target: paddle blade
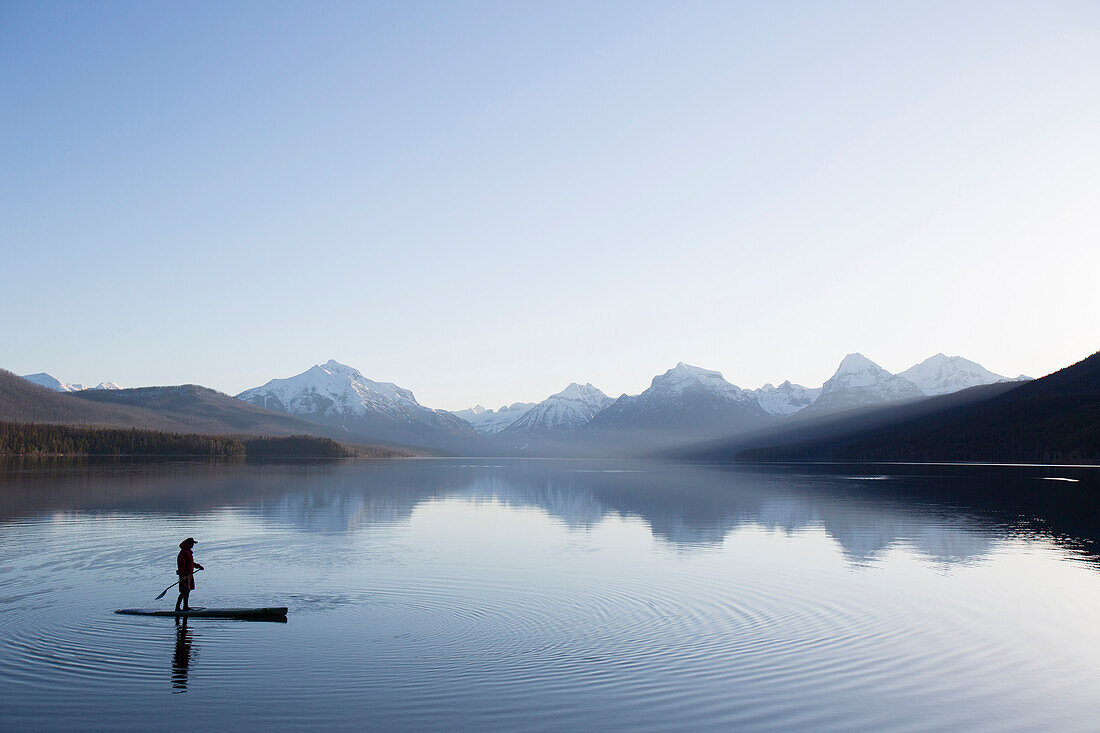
<point x="166" y="590"/>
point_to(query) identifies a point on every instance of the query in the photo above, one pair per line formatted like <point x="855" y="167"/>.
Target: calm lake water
<point x="551" y="595"/>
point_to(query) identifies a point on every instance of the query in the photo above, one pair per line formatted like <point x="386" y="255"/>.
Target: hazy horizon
<point x="486" y="202"/>
<point x="494" y="406"/>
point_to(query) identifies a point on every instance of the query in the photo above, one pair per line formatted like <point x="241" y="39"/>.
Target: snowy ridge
<point x="336" y="394"/>
<point x="684" y="379"/>
<point x="333" y="388"/>
<point x="685" y="403"/>
<point x="42" y="379"/>
<point x="941" y="374"/>
<point x="786" y="399"/>
<point x="571" y="408"/>
<point x="860" y="381"/>
<point x="491" y="422"/>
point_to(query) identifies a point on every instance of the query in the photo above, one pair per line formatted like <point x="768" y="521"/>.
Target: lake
<point x="551" y="595"/>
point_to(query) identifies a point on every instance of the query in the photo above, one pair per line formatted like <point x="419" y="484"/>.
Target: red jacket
<point x="185" y="563"/>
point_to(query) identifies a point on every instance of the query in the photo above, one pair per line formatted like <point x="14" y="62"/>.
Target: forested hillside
<point x="18" y="439"/>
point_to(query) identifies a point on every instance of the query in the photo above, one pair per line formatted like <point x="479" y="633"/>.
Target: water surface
<point x="551" y="595"/>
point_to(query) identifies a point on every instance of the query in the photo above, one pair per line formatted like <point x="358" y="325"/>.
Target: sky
<point x="483" y="202"/>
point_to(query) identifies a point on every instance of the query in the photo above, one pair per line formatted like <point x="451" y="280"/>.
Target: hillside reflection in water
<point x="551" y="594"/>
<point x="947" y="513"/>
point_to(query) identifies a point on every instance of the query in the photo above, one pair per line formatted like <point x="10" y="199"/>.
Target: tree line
<point x="35" y="439"/>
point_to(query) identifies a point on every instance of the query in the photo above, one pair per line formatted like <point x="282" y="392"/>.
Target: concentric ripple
<point x="485" y="605"/>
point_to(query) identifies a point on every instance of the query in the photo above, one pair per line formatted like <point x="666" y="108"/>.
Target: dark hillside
<point x="195" y="408"/>
<point x="1082" y="378"/>
<point x="22" y="401"/>
<point x="1053" y="419"/>
<point x="838" y="425"/>
<point x="180" y="409"/>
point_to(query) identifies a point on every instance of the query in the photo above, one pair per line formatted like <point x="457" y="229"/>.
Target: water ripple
<point x="413" y="626"/>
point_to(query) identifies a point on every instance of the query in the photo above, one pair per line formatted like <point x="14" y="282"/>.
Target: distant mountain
<point x="568" y="410"/>
<point x="1055" y="418"/>
<point x="941" y="374"/>
<point x="182" y="409"/>
<point x="340" y="396"/>
<point x="786" y="399"/>
<point x="860" y="381"/>
<point x="685" y="403"/>
<point x="491" y="422"/>
<point x="48" y="381"/>
<point x="196" y="409"/>
<point x="22" y="400"/>
<point x="823" y="425"/>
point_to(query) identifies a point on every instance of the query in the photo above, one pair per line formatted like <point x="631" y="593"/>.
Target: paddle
<point x="173" y="586"/>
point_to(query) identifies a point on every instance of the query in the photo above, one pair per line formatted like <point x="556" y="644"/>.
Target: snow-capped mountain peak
<point x="942" y="374"/>
<point x="683" y="377"/>
<point x="579" y="392"/>
<point x="860" y="381"/>
<point x="857" y="370"/>
<point x="336" y="394"/>
<point x="786" y="399"/>
<point x="491" y="422"/>
<point x="331" y="387"/>
<point x="334" y="367"/>
<point x="683" y="404"/>
<point x="42" y="379"/>
<point x="571" y="408"/>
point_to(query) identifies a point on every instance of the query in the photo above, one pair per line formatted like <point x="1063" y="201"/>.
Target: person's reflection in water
<point x="181" y="659"/>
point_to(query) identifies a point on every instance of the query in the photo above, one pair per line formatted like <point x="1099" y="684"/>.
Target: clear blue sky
<point x="486" y="201"/>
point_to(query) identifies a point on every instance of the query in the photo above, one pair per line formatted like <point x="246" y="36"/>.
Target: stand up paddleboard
<point x="277" y="612"/>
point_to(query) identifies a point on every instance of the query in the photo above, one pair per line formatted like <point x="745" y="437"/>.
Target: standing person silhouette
<point x="185" y="568"/>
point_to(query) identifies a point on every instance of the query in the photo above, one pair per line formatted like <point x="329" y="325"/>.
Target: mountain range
<point x="686" y="405"/>
<point x="690" y="404"/>
<point x="1052" y="419"/>
<point x="860" y="381"/>
<point x="50" y="382"/>
<point x="489" y="421"/>
<point x="184" y="408"/>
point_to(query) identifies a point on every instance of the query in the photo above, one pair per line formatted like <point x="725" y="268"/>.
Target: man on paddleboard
<point x="185" y="568"/>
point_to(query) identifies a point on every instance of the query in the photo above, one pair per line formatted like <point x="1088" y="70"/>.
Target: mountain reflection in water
<point x="946" y="513"/>
<point x="549" y="595"/>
